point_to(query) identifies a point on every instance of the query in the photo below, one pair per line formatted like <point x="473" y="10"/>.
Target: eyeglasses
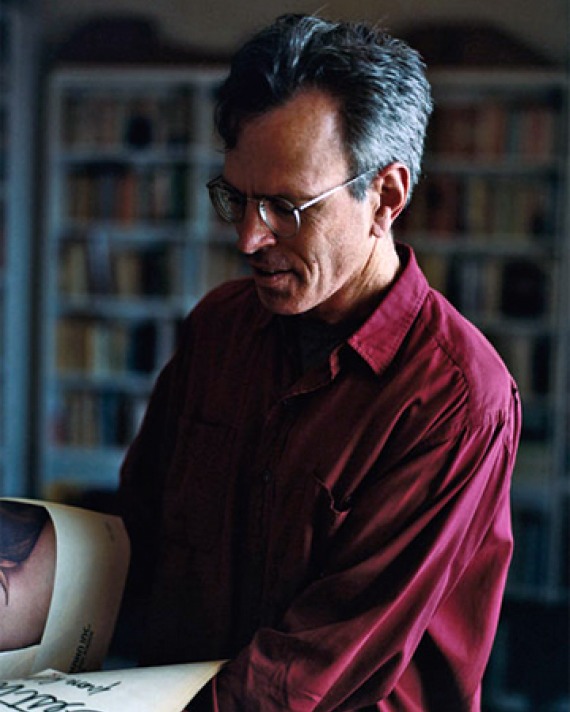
<point x="280" y="215"/>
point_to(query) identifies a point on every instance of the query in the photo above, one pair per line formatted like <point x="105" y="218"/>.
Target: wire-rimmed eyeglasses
<point x="280" y="215"/>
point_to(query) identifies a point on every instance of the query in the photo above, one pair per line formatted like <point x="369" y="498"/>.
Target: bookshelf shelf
<point x="134" y="307"/>
<point x="125" y="382"/>
<point x="484" y="245"/>
<point x="95" y="465"/>
<point x="511" y="166"/>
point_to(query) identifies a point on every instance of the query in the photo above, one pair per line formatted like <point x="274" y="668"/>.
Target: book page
<point x="62" y="575"/>
<point x="166" y="688"/>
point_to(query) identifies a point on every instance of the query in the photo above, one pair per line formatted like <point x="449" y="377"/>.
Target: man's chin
<point x="281" y="302"/>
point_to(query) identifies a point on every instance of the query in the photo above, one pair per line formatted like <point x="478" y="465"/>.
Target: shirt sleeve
<point x="397" y="598"/>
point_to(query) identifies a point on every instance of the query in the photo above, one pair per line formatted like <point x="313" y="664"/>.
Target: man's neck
<point x="363" y="297"/>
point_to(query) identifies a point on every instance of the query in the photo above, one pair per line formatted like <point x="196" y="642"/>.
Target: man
<point x="319" y="492"/>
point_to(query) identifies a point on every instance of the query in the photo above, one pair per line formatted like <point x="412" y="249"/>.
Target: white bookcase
<point x="130" y="244"/>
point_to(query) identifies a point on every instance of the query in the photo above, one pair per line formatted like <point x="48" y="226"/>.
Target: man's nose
<point x="253" y="233"/>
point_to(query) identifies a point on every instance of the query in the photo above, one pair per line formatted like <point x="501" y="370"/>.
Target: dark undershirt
<point x="312" y="341"/>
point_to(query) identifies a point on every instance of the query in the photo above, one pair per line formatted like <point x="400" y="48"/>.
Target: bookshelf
<point x="131" y="244"/>
<point x="490" y="226"/>
<point x="17" y="102"/>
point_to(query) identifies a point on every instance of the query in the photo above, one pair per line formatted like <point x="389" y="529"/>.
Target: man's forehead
<point x="309" y="114"/>
<point x="301" y="138"/>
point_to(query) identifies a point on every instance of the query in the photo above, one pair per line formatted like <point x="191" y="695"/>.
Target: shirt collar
<point x="379" y="338"/>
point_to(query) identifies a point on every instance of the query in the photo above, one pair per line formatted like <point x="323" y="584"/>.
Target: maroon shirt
<point x="343" y="536"/>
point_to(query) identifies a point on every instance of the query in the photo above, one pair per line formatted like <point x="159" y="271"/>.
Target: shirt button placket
<point x="267" y="478"/>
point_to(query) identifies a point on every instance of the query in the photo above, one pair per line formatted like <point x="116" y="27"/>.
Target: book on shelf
<point x="528" y="357"/>
<point x="481" y="206"/>
<point x="474" y="283"/>
<point x="495" y="129"/>
<point x="94" y="263"/>
<point x="62" y="575"/>
<point x="531" y="534"/>
<point x="125" y="192"/>
<point x="525" y="289"/>
<point x="111" y="347"/>
<point x="111" y="120"/>
<point x="105" y="418"/>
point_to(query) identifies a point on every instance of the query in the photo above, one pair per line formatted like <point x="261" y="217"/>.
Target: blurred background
<point x="107" y="239"/>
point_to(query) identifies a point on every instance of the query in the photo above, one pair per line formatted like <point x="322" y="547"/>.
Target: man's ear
<point x="391" y="188"/>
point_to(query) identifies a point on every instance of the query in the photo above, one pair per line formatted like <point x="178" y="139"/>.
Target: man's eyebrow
<point x="257" y="196"/>
<point x="231" y="187"/>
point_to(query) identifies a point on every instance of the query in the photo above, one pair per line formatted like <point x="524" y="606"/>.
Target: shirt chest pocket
<point x="198" y="483"/>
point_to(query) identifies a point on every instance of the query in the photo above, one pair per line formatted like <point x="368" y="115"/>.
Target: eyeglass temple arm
<point x="331" y="191"/>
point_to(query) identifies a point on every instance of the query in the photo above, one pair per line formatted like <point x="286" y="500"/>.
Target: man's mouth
<point x="268" y="270"/>
<point x="269" y="275"/>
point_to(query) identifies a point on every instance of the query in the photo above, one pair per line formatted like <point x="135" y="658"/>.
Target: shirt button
<point x="266" y="475"/>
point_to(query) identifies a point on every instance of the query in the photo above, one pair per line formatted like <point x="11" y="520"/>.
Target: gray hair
<point x="379" y="81"/>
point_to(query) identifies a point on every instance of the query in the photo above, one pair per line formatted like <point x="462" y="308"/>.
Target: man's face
<point x="295" y="151"/>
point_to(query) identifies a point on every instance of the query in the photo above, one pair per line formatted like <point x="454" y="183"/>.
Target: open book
<point x="62" y="574"/>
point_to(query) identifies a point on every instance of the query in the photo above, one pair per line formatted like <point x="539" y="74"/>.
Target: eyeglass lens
<point x="278" y="214"/>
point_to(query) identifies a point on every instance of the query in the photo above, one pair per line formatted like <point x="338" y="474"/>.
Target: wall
<point x="219" y="25"/>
